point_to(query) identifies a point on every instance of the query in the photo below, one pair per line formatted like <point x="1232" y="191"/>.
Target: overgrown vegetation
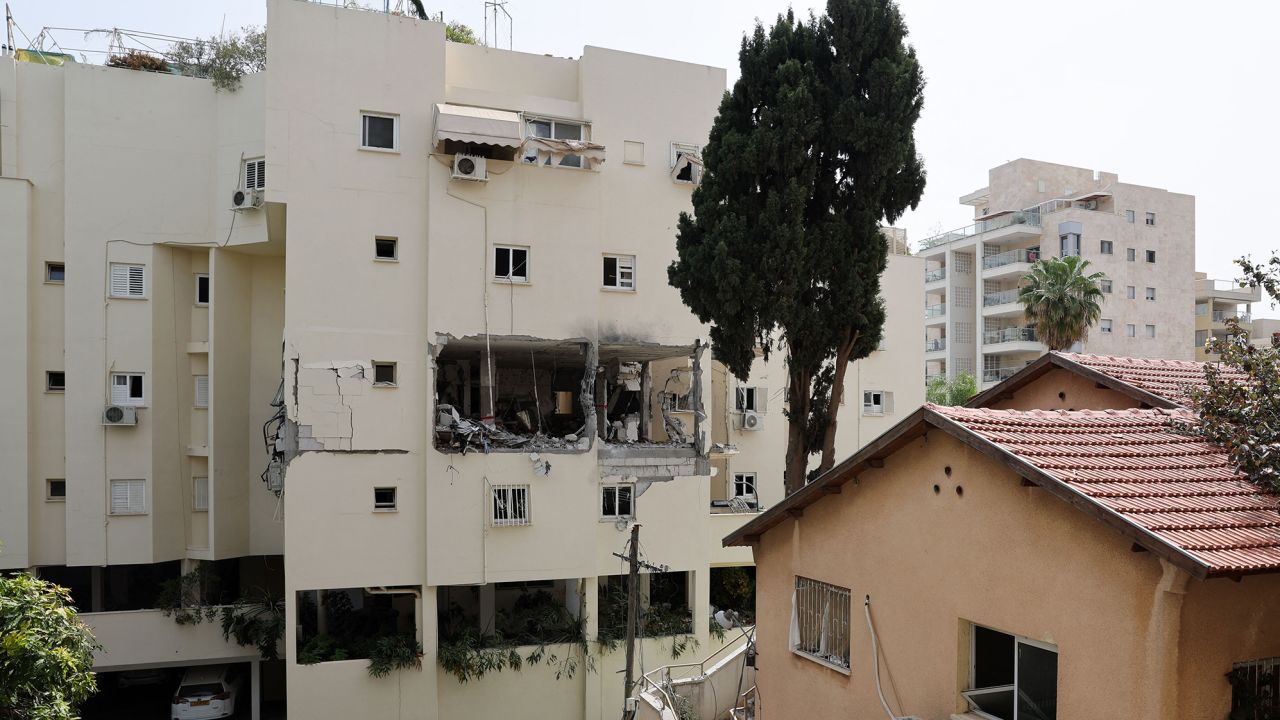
<point x="255" y="618"/>
<point x="46" y="651"/>
<point x="734" y="588"/>
<point x="351" y="633"/>
<point x="138" y="60"/>
<point x="667" y="615"/>
<point x="224" y="60"/>
<point x="956" y="390"/>
<point x="520" y="636"/>
<point x="459" y="33"/>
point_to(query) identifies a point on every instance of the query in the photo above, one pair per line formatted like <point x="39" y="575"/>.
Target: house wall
<point x="1060" y="389"/>
<point x="932" y="563"/>
<point x="1223" y="622"/>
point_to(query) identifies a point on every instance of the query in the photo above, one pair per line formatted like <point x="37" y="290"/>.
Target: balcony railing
<point x="938" y="310"/>
<point x="1002" y="297"/>
<point x="1029" y="216"/>
<point x="1008" y="335"/>
<point x="935" y="344"/>
<point x="935" y="275"/>
<point x="1021" y="255"/>
<point x="928" y="379"/>
<point x="1000" y="374"/>
<point x="1222" y="316"/>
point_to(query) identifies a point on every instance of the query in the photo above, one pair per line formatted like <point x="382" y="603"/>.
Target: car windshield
<point x="201" y="689"/>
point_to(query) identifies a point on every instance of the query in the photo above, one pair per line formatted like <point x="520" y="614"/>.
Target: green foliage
<point x="46" y="652"/>
<point x="521" y="638"/>
<point x="1265" y="275"/>
<point x="138" y="60"/>
<point x="660" y="618"/>
<point x="395" y="652"/>
<point x="224" y="60"/>
<point x="1251" y="697"/>
<point x="951" y="391"/>
<point x="734" y="588"/>
<point x="256" y="618"/>
<point x="811" y="151"/>
<point x="1061" y="300"/>
<point x="1238" y="407"/>
<point x="459" y="33"/>
<point x="321" y="648"/>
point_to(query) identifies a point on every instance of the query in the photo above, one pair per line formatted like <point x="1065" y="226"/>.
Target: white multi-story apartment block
<point x="1142" y="238"/>
<point x="386" y="331"/>
<point x="1218" y="301"/>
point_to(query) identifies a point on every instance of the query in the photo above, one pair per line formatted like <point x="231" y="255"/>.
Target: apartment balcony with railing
<point x="1010" y="340"/>
<point x="935" y="311"/>
<point x="935" y="275"/>
<point x="1009" y="224"/>
<point x="935" y="344"/>
<point x="1000" y="374"/>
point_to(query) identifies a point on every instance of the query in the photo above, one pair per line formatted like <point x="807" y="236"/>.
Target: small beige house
<point x="1020" y="564"/>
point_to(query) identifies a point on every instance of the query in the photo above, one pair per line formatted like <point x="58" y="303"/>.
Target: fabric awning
<point x="483" y="126"/>
<point x="550" y="148"/>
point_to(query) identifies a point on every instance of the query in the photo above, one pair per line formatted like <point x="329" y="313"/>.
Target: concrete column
<point x="700" y="602"/>
<point x="591" y="688"/>
<point x="95" y="583"/>
<point x="255" y="680"/>
<point x="1164" y="630"/>
<point x="602" y="405"/>
<point x="646" y="401"/>
<point x="423" y="691"/>
<point x="488" y="612"/>
<point x="487" y="398"/>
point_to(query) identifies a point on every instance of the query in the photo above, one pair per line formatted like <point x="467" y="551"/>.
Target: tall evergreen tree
<point x="811" y="152"/>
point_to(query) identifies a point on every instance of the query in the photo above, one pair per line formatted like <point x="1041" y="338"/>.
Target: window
<point x="128" y="281"/>
<point x="684" y="170"/>
<point x="1130" y="330"/>
<point x="55" y="490"/>
<point x="379" y="132"/>
<point x="55" y="381"/>
<point x="616" y="501"/>
<point x="1042" y="186"/>
<point x="202" y="391"/>
<point x="1104" y="285"/>
<point x="1202" y="308"/>
<point x="744" y="486"/>
<point x="1129" y="215"/>
<point x="1130" y="292"/>
<point x="557" y="130"/>
<point x="1070" y="244"/>
<point x="1255" y="688"/>
<point x="620" y="272"/>
<point x="877" y="402"/>
<point x="1107" y="247"/>
<point x="202" y="289"/>
<point x="1202" y="338"/>
<point x="511" y="263"/>
<point x="510" y="505"/>
<point x="200" y="494"/>
<point x="128" y="497"/>
<point x="386" y="248"/>
<point x="1104" y="326"/>
<point x="754" y="399"/>
<point x="1012" y="678"/>
<point x="1131" y="254"/>
<point x="1151" y="293"/>
<point x="126" y="389"/>
<point x="1150" y="330"/>
<point x="384" y="373"/>
<point x="55" y="272"/>
<point x="820" y="623"/>
<point x="255" y="174"/>
<point x="1151" y="256"/>
<point x="1151" y="218"/>
<point x="384" y="499"/>
<point x="632" y="152"/>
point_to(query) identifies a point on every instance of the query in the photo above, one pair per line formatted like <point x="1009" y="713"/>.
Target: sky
<point x="1178" y="94"/>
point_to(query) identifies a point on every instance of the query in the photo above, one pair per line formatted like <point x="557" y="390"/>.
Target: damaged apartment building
<point x="477" y="382"/>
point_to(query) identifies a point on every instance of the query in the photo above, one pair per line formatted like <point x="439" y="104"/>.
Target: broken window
<point x="616" y="501"/>
<point x="1012" y="677"/>
<point x="744" y="486"/>
<point x="511" y="262"/>
<point x="686" y="163"/>
<point x="620" y="272"/>
<point x="533" y="612"/>
<point x="877" y="402"/>
<point x="754" y="399"/>
<point x="556" y="130"/>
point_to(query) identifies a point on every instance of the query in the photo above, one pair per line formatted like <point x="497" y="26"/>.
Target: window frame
<point x="584" y="135"/>
<point x="49" y="265"/>
<point x="513" y="518"/>
<point x="1070" y="240"/>
<point x="617" y="272"/>
<point x="800" y="596"/>
<point x="1106" y="247"/>
<point x="49" y="496"/>
<point x="195" y="395"/>
<point x="144" y="285"/>
<point x="1105" y="326"/>
<point x="141" y="508"/>
<point x="885" y="405"/>
<point x="681" y="148"/>
<point x="259" y="174"/>
<point x="1151" y="293"/>
<point x="395" y="131"/>
<point x="1150" y="257"/>
<point x="511" y="278"/>
<point x="1130" y="330"/>
<point x="614" y="489"/>
<point x="130" y="401"/>
<point x="395" y="373"/>
<point x="203" y="279"/>
<point x="1149" y="330"/>
<point x="1105" y="285"/>
<point x="742" y="480"/>
<point x="382" y="505"/>
<point x="395" y="248"/>
<point x="1130" y="292"/>
<point x="1130" y="216"/>
<point x="198" y="493"/>
<point x="1151" y="219"/>
<point x="973" y="667"/>
<point x="756" y="393"/>
<point x="49" y="387"/>
<point x="1131" y="254"/>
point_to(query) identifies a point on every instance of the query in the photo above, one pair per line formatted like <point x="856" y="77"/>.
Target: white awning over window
<point x="556" y="150"/>
<point x="483" y="126"/>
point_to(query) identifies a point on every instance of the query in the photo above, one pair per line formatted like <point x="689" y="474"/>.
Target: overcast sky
<point x="1179" y="94"/>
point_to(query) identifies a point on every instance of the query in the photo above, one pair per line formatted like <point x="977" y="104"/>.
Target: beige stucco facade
<point x="1142" y="238"/>
<point x="1218" y="301"/>
<point x="944" y="538"/>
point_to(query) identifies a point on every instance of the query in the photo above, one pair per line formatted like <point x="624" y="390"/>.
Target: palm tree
<point x="1060" y="300"/>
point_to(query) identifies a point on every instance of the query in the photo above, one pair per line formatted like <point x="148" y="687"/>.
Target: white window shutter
<point x="119" y="389"/>
<point x="128" y="497"/>
<point x="202" y="391"/>
<point x="119" y="280"/>
<point x="762" y="399"/>
<point x="200" y="493"/>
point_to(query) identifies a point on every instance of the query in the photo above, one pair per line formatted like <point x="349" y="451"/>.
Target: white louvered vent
<point x="202" y="391"/>
<point x="255" y="174"/>
<point x="200" y="493"/>
<point x="128" y="280"/>
<point x="128" y="497"/>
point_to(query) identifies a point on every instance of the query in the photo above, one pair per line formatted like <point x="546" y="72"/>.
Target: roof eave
<point x="1050" y="360"/>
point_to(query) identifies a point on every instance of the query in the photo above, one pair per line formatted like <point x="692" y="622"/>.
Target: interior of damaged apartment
<point x="498" y="393"/>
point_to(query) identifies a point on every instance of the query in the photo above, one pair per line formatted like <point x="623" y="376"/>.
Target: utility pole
<point x="633" y="608"/>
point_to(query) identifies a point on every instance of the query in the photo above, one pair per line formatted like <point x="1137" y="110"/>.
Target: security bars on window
<point x="1255" y="688"/>
<point x="510" y="505"/>
<point x="820" y="621"/>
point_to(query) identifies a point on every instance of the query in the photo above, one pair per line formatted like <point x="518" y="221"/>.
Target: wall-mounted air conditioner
<point x="119" y="415"/>
<point x="246" y="199"/>
<point x="752" y="420"/>
<point x="469" y="167"/>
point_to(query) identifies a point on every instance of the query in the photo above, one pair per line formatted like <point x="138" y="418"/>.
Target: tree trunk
<point x="837" y="395"/>
<point x="797" y="425"/>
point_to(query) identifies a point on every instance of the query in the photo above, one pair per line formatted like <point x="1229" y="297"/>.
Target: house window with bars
<point x="820" y="623"/>
<point x="1255" y="689"/>
<point x="510" y="505"/>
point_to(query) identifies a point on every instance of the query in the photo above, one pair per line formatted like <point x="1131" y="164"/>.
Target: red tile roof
<point x="1131" y="464"/>
<point x="1166" y="378"/>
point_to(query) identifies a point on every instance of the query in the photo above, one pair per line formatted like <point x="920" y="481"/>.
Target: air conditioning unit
<point x="469" y="167"/>
<point x="119" y="415"/>
<point x="275" y="477"/>
<point x="752" y="420"/>
<point x="1088" y="204"/>
<point x="246" y="199"/>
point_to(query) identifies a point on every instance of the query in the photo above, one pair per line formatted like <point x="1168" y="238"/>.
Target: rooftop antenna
<point x="8" y="24"/>
<point x="497" y="5"/>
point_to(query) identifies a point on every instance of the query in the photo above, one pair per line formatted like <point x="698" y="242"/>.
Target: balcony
<point x="1003" y="297"/>
<point x="1226" y="290"/>
<point x="1000" y="374"/>
<point x="935" y="345"/>
<point x="1009" y="264"/>
<point x="935" y="275"/>
<point x="1009" y="335"/>
<point x="1221" y="316"/>
<point x="1004" y="226"/>
<point x="933" y="311"/>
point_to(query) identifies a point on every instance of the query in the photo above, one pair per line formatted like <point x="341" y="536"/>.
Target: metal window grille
<point x="1255" y="689"/>
<point x="821" y="621"/>
<point x="510" y="505"/>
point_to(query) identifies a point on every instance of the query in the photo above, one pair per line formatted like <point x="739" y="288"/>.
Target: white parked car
<point x="206" y="692"/>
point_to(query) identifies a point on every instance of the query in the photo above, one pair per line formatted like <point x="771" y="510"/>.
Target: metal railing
<point x="935" y="275"/>
<point x="1223" y="315"/>
<point x="823" y="619"/>
<point x="928" y="379"/>
<point x="659" y="679"/>
<point x="1029" y="216"/>
<point x="935" y="310"/>
<point x="1008" y="335"/>
<point x="1021" y="255"/>
<point x="935" y="344"/>
<point x="1000" y="374"/>
<point x="1001" y="297"/>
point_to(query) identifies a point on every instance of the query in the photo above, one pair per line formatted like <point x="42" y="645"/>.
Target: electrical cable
<point x="875" y="659"/>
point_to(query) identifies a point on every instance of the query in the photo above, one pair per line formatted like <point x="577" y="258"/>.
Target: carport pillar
<point x="255" y="683"/>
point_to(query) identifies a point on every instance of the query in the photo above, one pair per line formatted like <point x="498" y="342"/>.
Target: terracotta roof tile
<point x="1167" y="378"/>
<point x="1130" y="462"/>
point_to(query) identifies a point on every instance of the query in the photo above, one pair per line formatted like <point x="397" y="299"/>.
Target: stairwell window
<point x="617" y="501"/>
<point x="511" y="263"/>
<point x="202" y="391"/>
<point x="202" y="289"/>
<point x="255" y="174"/>
<point x="384" y="374"/>
<point x="820" y="616"/>
<point x="620" y="272"/>
<point x="379" y="131"/>
<point x="877" y="402"/>
<point x="200" y="494"/>
<point x="1011" y="677"/>
<point x="510" y="505"/>
<point x="1151" y="256"/>
<point x="128" y="497"/>
<point x="127" y="389"/>
<point x="128" y="281"/>
<point x="55" y="381"/>
<point x="55" y="490"/>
